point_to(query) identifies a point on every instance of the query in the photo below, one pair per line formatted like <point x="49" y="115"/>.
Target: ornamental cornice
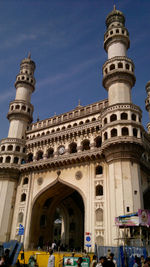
<point x="119" y="75"/>
<point x="65" y="132"/>
<point x="20" y="101"/>
<point x="64" y="118"/>
<point x="122" y="123"/>
<point x="123" y="148"/>
<point x="118" y="58"/>
<point x="9" y="172"/>
<point x="116" y="38"/>
<point x="62" y="160"/>
<point x="121" y="107"/>
<point x="19" y="84"/>
<point x="19" y="114"/>
<point x="13" y="152"/>
<point x="9" y="140"/>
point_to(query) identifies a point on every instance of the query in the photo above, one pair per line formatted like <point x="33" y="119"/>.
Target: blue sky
<point x="65" y="38"/>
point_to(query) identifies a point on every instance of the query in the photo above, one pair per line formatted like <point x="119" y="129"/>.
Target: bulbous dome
<point x="115" y="16"/>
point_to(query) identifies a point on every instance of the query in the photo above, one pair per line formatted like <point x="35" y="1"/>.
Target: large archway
<point x="146" y="198"/>
<point x="58" y="215"/>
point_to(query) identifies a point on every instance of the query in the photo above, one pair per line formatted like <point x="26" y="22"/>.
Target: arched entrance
<point x="146" y="198"/>
<point x="58" y="215"/>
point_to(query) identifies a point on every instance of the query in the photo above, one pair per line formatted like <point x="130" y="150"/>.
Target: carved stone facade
<point x="75" y="172"/>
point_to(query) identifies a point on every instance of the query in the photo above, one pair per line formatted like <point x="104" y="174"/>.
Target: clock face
<point x="61" y="150"/>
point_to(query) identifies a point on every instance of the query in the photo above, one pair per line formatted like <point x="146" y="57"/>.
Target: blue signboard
<point x="21" y="230"/>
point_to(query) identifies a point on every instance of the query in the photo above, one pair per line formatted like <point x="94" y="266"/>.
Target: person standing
<point x="51" y="260"/>
<point x="79" y="261"/>
<point x="100" y="263"/>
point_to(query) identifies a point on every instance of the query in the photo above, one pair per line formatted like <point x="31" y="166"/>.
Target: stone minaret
<point x="118" y="71"/>
<point x="12" y="148"/>
<point x="147" y="103"/>
<point x="21" y="110"/>
<point x="121" y="127"/>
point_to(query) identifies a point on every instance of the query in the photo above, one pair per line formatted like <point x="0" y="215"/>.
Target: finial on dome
<point x="79" y="103"/>
<point x="29" y="55"/>
<point x="114" y="7"/>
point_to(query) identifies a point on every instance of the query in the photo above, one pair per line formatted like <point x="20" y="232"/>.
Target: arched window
<point x="99" y="215"/>
<point x="99" y="190"/>
<point x="10" y="148"/>
<point x="3" y="148"/>
<point x="8" y="159"/>
<point x="18" y="148"/>
<point x="105" y="121"/>
<point x="43" y="220"/>
<point x="87" y="121"/>
<point x="20" y="217"/>
<point x="133" y="117"/>
<point x="73" y="147"/>
<point x="99" y="170"/>
<point x="113" y="132"/>
<point x="125" y="131"/>
<point x="113" y="117"/>
<point x="85" y="145"/>
<point x="23" y="197"/>
<point x="25" y="180"/>
<point x="1" y="159"/>
<point x="50" y="153"/>
<point x="16" y="159"/>
<point x="23" y="161"/>
<point x="75" y="124"/>
<point x="117" y="31"/>
<point x="124" y="116"/>
<point x="120" y="65"/>
<point x="93" y="119"/>
<point x="105" y="136"/>
<point x="127" y="66"/>
<point x="134" y="132"/>
<point x="112" y="67"/>
<point x="39" y="155"/>
<point x="30" y="157"/>
<point x="98" y="141"/>
<point x="23" y="108"/>
<point x="81" y="122"/>
<point x="17" y="107"/>
<point x="69" y="126"/>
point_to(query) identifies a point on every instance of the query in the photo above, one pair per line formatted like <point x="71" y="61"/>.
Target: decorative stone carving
<point x="39" y="180"/>
<point x="78" y="175"/>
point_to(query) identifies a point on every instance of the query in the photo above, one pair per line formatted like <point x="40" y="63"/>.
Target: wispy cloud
<point x="18" y="40"/>
<point x="6" y="95"/>
<point x="68" y="74"/>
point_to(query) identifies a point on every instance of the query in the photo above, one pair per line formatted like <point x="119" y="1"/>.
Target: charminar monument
<point x="75" y="172"/>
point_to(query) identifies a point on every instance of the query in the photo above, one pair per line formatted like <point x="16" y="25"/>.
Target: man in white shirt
<point x="51" y="259"/>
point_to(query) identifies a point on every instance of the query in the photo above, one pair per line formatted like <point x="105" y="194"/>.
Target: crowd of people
<point x="108" y="261"/>
<point x="103" y="261"/>
<point x="141" y="262"/>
